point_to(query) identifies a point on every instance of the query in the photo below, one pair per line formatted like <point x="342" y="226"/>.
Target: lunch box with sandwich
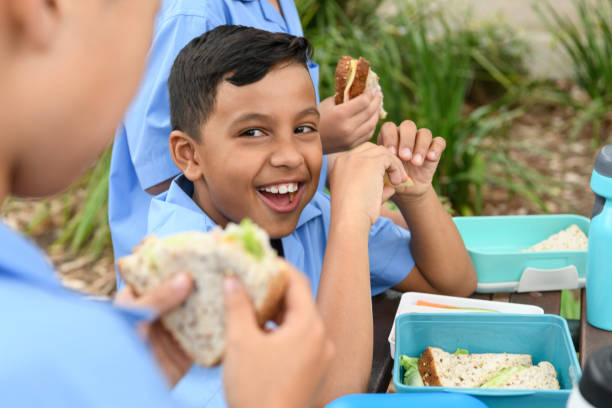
<point x="496" y="246"/>
<point x="544" y="337"/>
<point x="417" y="302"/>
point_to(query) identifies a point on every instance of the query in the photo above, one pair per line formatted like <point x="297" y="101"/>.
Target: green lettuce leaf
<point x="502" y="377"/>
<point x="461" y="351"/>
<point x="246" y="235"/>
<point x="411" y="371"/>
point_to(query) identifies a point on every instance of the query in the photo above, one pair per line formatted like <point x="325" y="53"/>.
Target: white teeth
<point x="281" y="188"/>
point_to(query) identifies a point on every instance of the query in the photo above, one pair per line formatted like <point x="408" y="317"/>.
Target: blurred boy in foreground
<point x="67" y="71"/>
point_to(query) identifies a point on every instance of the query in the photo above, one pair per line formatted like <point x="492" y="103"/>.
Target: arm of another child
<point x="344" y="297"/>
<point x="442" y="262"/>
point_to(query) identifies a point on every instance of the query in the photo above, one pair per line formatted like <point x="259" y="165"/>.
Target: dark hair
<point x="237" y="54"/>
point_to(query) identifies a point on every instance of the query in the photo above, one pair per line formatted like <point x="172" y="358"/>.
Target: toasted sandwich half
<point x="354" y="77"/>
<point x="199" y="324"/>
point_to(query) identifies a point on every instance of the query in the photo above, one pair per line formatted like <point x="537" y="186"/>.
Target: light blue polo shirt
<point x="388" y="246"/>
<point x="141" y="156"/>
<point x="58" y="350"/>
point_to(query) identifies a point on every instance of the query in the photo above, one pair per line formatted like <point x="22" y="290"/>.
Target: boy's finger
<point x="239" y="312"/>
<point x="389" y="137"/>
<point x="438" y="144"/>
<point x="365" y="131"/>
<point x="165" y="296"/>
<point x="421" y="146"/>
<point x="407" y="137"/>
<point x="125" y="296"/>
<point x="371" y="111"/>
<point x="356" y="105"/>
<point x="395" y="170"/>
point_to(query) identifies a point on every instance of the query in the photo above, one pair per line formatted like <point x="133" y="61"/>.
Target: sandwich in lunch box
<point x="241" y="250"/>
<point x="436" y="367"/>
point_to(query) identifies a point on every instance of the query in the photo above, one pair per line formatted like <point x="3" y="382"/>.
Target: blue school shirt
<point x="58" y="350"/>
<point x="388" y="246"/>
<point x="141" y="156"/>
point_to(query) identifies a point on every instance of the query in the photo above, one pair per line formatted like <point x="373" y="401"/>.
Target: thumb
<point x="239" y="311"/>
<point x="164" y="297"/>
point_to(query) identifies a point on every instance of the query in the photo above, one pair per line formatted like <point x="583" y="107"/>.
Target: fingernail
<point x="418" y="159"/>
<point x="391" y="149"/>
<point x="230" y="284"/>
<point x="405" y="153"/>
<point x="180" y="281"/>
<point x="431" y="155"/>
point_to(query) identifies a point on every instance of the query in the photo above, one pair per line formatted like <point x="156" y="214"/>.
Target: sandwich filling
<point x="350" y="79"/>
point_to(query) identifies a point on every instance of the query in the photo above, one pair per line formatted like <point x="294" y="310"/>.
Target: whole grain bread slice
<point x="440" y="368"/>
<point x="199" y="324"/>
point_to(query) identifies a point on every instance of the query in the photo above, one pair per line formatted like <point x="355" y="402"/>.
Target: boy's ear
<point x="35" y="21"/>
<point x="185" y="155"/>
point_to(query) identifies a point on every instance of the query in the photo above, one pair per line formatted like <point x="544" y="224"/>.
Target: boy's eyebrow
<point x="260" y="116"/>
<point x="311" y="110"/>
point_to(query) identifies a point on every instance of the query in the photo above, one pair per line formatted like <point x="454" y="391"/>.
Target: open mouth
<point x="282" y="197"/>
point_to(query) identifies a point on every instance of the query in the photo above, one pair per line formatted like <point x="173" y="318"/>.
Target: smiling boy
<point x="245" y="135"/>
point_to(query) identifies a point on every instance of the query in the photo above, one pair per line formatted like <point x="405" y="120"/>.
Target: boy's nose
<point x="286" y="154"/>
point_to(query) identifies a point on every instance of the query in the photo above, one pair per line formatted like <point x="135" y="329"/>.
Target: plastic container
<point x="599" y="265"/>
<point x="409" y="300"/>
<point x="595" y="388"/>
<point x="495" y="244"/>
<point x="429" y="400"/>
<point x="545" y="337"/>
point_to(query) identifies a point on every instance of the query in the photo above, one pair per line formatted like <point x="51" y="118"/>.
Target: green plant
<point x="428" y="63"/>
<point x="587" y="41"/>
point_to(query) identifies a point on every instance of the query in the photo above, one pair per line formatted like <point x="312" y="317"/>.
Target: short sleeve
<point x="147" y="123"/>
<point x="61" y="351"/>
<point x="390" y="256"/>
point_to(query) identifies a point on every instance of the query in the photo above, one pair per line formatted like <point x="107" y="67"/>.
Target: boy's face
<point x="260" y="151"/>
<point x="69" y="84"/>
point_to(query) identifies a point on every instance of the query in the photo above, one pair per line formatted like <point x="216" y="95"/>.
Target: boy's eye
<point x="305" y="129"/>
<point x="252" y="133"/>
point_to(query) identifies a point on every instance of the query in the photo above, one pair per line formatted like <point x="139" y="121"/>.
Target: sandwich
<point x="436" y="367"/>
<point x="354" y="77"/>
<point x="198" y="324"/>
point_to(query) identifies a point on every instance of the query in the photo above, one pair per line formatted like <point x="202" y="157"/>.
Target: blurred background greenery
<point x="465" y="80"/>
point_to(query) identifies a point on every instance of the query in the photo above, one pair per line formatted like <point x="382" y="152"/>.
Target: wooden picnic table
<point x="586" y="337"/>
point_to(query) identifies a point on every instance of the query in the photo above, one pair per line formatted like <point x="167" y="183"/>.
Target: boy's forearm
<point x="437" y="247"/>
<point x="344" y="300"/>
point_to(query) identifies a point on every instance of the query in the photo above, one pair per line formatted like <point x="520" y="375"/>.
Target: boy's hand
<point x="168" y="295"/>
<point x="419" y="152"/>
<point x="349" y="124"/>
<point x="356" y="182"/>
<point x="279" y="368"/>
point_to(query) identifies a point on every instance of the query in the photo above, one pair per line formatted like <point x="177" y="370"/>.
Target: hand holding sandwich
<point x="349" y="124"/>
<point x="162" y="299"/>
<point x="294" y="357"/>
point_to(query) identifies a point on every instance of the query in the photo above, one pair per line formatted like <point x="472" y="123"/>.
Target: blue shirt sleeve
<point x="147" y="123"/>
<point x="390" y="256"/>
<point x="60" y="351"/>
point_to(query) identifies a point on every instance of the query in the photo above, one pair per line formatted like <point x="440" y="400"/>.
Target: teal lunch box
<point x="495" y="244"/>
<point x="545" y="337"/>
<point x="425" y="399"/>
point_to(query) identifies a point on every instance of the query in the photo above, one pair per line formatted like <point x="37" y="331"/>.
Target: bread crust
<point x="361" y="76"/>
<point x="276" y="291"/>
<point x="341" y="77"/>
<point x="427" y="369"/>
